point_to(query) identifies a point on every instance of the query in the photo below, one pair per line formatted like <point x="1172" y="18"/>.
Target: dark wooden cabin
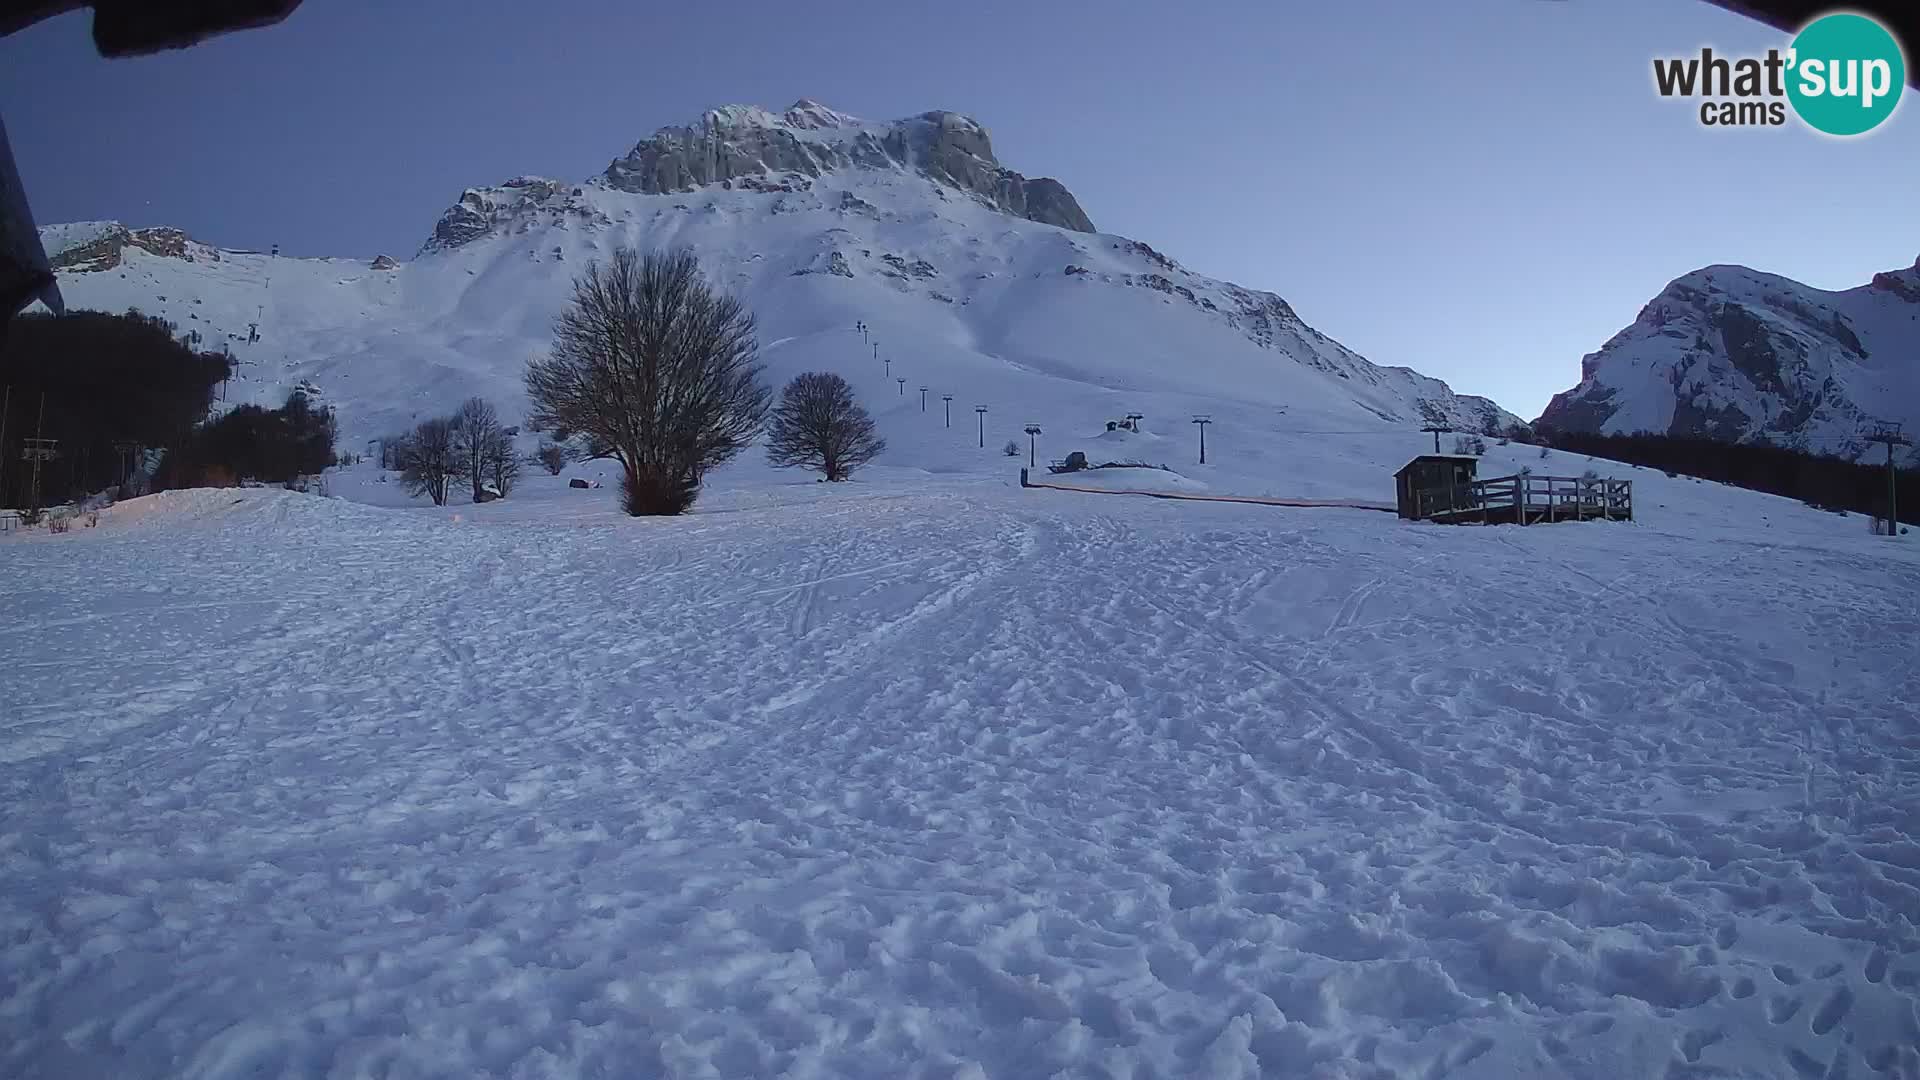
<point x="1419" y="480"/>
<point x="1443" y="488"/>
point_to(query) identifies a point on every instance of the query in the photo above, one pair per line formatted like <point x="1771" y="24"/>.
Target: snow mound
<point x="262" y="507"/>
<point x="1124" y="478"/>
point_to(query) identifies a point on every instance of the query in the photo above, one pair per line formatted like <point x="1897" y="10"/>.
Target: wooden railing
<point x="1525" y="498"/>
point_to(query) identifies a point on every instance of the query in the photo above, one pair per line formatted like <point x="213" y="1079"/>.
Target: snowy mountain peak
<point x="978" y="279"/>
<point x="1901" y="283"/>
<point x="747" y="145"/>
<point x="1728" y="352"/>
<point x="808" y="114"/>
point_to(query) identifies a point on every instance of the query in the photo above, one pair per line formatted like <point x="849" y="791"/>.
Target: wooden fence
<point x="1025" y="481"/>
<point x="1526" y="499"/>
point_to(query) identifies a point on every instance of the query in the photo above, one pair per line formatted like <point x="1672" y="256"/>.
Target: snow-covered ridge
<point x="747" y="147"/>
<point x="744" y="142"/>
<point x="963" y="294"/>
<point x="1728" y="352"/>
<point x="91" y="246"/>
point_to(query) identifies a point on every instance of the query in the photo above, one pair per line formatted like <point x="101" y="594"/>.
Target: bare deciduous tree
<point x="818" y="425"/>
<point x="655" y="370"/>
<point x="428" y="459"/>
<point x="554" y="457"/>
<point x="477" y="432"/>
<point x="503" y="466"/>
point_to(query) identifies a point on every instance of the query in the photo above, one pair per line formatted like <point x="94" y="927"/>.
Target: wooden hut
<point x="1431" y="480"/>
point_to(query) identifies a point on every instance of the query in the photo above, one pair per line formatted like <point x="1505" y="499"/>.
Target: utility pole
<point x="1890" y="434"/>
<point x="1436" y="429"/>
<point x="982" y="410"/>
<point x="948" y="398"/>
<point x="1203" y="419"/>
<point x="923" y="399"/>
<point x="902" y="380"/>
<point x="1033" y="430"/>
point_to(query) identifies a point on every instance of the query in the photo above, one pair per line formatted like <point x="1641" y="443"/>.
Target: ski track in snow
<point x="967" y="783"/>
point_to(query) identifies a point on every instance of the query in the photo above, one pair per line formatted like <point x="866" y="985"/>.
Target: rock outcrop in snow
<point x="480" y="210"/>
<point x="89" y="247"/>
<point x="1734" y="354"/>
<point x="741" y="143"/>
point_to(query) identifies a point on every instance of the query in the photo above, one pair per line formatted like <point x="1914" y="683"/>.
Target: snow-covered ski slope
<point x="932" y="776"/>
<point x="1038" y="322"/>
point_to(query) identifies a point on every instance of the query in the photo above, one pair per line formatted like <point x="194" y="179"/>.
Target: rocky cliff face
<point x="513" y="204"/>
<point x="83" y="250"/>
<point x="741" y="144"/>
<point x="1734" y="354"/>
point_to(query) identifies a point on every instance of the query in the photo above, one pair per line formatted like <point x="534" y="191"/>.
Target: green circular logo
<point x="1845" y="74"/>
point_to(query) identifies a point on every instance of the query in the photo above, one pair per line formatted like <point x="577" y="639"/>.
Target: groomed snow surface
<point x="932" y="776"/>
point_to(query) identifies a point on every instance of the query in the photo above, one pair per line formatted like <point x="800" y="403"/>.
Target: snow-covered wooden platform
<point x="1526" y="499"/>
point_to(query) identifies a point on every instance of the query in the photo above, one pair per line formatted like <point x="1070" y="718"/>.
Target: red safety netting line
<point x="1259" y="500"/>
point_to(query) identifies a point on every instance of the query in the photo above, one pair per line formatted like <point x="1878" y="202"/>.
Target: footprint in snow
<point x="1832" y="1010"/>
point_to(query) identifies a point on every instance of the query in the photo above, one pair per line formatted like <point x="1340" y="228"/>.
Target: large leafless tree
<point x="656" y="370"/>
<point x="429" y="459"/>
<point x="503" y="465"/>
<point x="479" y="436"/>
<point x="818" y="425"/>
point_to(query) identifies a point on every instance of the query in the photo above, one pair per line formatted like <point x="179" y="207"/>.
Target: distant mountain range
<point x="1733" y="354"/>
<point x="987" y="280"/>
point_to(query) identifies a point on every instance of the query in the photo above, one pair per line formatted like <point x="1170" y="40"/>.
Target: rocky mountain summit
<point x="1734" y="354"/>
<point x="742" y="143"/>
<point x="744" y="147"/>
<point x="94" y="246"/>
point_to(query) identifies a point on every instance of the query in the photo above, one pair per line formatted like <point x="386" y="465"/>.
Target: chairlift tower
<point x="1889" y="433"/>
<point x="1202" y="420"/>
<point x="948" y="399"/>
<point x="981" y="411"/>
<point x="1033" y="432"/>
<point x="923" y="399"/>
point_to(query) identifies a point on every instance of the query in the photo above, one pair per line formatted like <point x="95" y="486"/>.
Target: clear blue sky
<point x="1482" y="190"/>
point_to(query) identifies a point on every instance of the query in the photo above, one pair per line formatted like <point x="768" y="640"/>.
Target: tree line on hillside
<point x="109" y="390"/>
<point x="253" y="443"/>
<point x="128" y="404"/>
<point x="1827" y="482"/>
